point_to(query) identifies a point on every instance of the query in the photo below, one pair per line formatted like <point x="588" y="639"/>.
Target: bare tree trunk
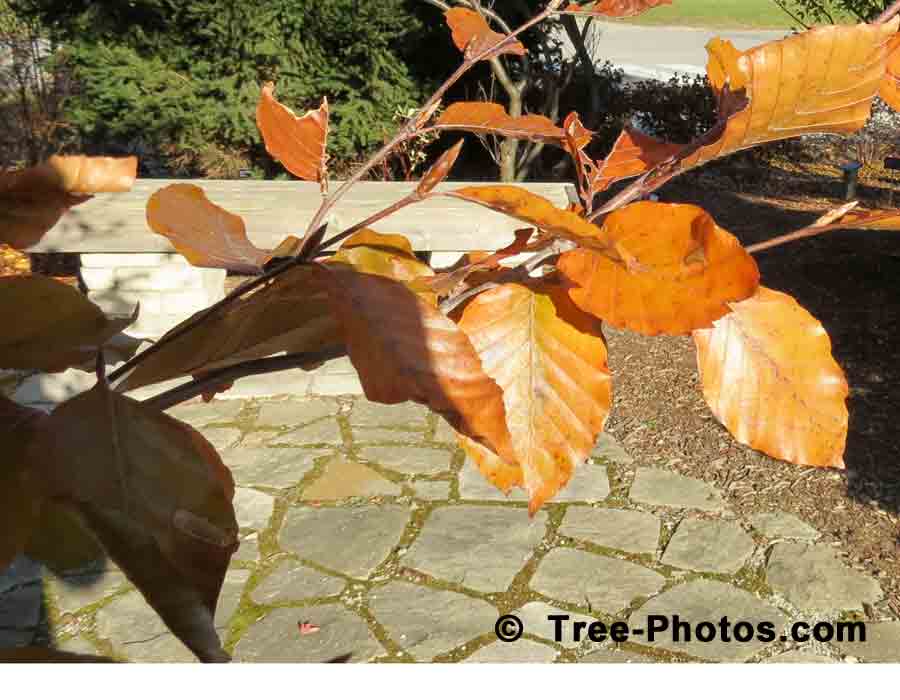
<point x="509" y="149"/>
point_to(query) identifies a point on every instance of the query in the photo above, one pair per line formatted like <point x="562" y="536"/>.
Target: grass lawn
<point x="732" y="14"/>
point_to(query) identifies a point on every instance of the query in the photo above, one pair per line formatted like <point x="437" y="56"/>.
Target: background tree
<point x="175" y="82"/>
<point x="809" y="12"/>
<point x="30" y="93"/>
<point x="534" y="82"/>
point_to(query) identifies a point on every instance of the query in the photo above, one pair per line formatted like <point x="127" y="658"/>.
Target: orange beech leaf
<point x="33" y="200"/>
<point x="890" y="85"/>
<point x="298" y="143"/>
<point x="761" y="99"/>
<point x="20" y="500"/>
<point x="204" y="233"/>
<point x="438" y="172"/>
<point x="51" y="326"/>
<point x="394" y="243"/>
<point x="616" y="8"/>
<point x="491" y="118"/>
<point x="472" y="35"/>
<point x="874" y="219"/>
<point x="386" y="255"/>
<point x="768" y="375"/>
<point x="686" y="269"/>
<point x="405" y="349"/>
<point x="158" y="497"/>
<point x="536" y="210"/>
<point x="290" y="314"/>
<point x="550" y="360"/>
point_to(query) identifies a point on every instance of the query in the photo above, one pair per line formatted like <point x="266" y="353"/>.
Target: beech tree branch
<point x="210" y="381"/>
<point x="889" y="13"/>
<point x="205" y="314"/>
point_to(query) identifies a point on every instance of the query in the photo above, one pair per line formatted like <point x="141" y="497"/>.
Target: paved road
<point x="658" y="52"/>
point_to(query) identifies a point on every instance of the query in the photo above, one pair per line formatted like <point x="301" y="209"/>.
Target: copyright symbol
<point x="508" y="628"/>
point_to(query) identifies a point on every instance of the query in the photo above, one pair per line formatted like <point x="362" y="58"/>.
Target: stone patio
<point x="367" y="521"/>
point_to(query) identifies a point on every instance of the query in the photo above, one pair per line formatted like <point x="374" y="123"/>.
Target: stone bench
<point x="124" y="262"/>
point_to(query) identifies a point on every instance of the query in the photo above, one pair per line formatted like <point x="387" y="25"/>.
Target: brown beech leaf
<point x="438" y="172"/>
<point x="50" y="326"/>
<point x="298" y="143"/>
<point x="290" y="314"/>
<point x="157" y="495"/>
<point x="761" y="99"/>
<point x="33" y="200"/>
<point x="19" y="492"/>
<point x="43" y="655"/>
<point x="616" y="8"/>
<point x="405" y="349"/>
<point x="890" y="84"/>
<point x="550" y="360"/>
<point x="204" y="233"/>
<point x="62" y="541"/>
<point x="768" y="375"/>
<point x="684" y="270"/>
<point x="472" y="35"/>
<point x="491" y="118"/>
<point x="536" y="210"/>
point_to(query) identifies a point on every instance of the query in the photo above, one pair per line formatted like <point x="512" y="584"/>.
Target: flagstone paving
<point x="367" y="522"/>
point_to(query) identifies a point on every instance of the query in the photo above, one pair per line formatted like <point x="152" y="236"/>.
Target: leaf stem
<point x="411" y="198"/>
<point x="197" y="387"/>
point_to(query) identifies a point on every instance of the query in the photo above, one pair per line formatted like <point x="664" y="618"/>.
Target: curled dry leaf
<point x="685" y="270"/>
<point x="768" y="375"/>
<point x="491" y="118"/>
<point x="19" y="492"/>
<point x="405" y="349"/>
<point x="290" y="314"/>
<point x="440" y="170"/>
<point x="761" y="99"/>
<point x="633" y="154"/>
<point x="550" y="360"/>
<point x="472" y="35"/>
<point x="298" y="143"/>
<point x="50" y="326"/>
<point x="890" y="84"/>
<point x="157" y="495"/>
<point x="204" y="233"/>
<point x="478" y="261"/>
<point x="615" y="8"/>
<point x="33" y="200"/>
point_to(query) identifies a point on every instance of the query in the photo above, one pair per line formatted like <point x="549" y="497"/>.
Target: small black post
<point x="851" y="177"/>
